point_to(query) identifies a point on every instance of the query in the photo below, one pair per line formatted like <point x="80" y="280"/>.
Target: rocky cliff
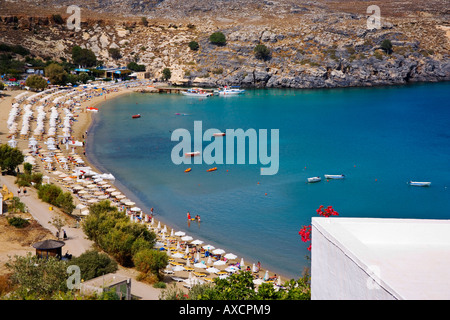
<point x="312" y="43"/>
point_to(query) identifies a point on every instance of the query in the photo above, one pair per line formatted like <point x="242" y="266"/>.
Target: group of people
<point x="197" y="217"/>
<point x="64" y="234"/>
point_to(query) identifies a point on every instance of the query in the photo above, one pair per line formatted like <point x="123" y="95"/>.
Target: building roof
<point x="48" y="244"/>
<point x="412" y="255"/>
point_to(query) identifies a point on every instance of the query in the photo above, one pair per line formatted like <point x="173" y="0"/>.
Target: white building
<point x="388" y="259"/>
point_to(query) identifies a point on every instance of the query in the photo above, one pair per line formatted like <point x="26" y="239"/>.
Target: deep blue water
<point x="380" y="138"/>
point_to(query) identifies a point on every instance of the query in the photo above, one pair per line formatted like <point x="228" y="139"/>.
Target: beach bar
<point x="49" y="248"/>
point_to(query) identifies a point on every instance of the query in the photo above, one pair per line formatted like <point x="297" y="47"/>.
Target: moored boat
<point x="334" y="176"/>
<point x="219" y="134"/>
<point x="195" y="92"/>
<point x="192" y="154"/>
<point x="212" y="169"/>
<point x="228" y="91"/>
<point x="188" y="170"/>
<point x="314" y="179"/>
<point x="136" y="116"/>
<point x="420" y="184"/>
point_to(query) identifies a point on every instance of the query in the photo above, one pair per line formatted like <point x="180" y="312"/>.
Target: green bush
<point x="54" y="195"/>
<point x="94" y="264"/>
<point x="386" y="45"/>
<point x="218" y="38"/>
<point x="193" y="45"/>
<point x="36" y="82"/>
<point x="150" y="261"/>
<point x="113" y="231"/>
<point x="18" y="222"/>
<point x="262" y="52"/>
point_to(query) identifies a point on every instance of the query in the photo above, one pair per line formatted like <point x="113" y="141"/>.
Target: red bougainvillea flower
<point x="305" y="233"/>
<point x="329" y="211"/>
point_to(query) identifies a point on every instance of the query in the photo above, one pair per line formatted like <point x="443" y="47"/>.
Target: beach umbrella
<point x="232" y="269"/>
<point x="196" y="242"/>
<point x="212" y="270"/>
<point x="159" y="225"/>
<point x="187" y="250"/>
<point x="266" y="276"/>
<point x="279" y="282"/>
<point x="78" y="187"/>
<point x="209" y="261"/>
<point x="135" y="209"/>
<point x="121" y="197"/>
<point x="187" y="238"/>
<point x="103" y="197"/>
<point x="209" y="247"/>
<point x="242" y="263"/>
<point x="258" y="281"/>
<point x="200" y="265"/>
<point x="230" y="256"/>
<point x="218" y="251"/>
<point x="130" y="203"/>
<point x="178" y="255"/>
<point x="180" y="233"/>
<point x="254" y="268"/>
<point x="112" y="190"/>
<point x="178" y="268"/>
<point x="85" y="212"/>
<point x="219" y="263"/>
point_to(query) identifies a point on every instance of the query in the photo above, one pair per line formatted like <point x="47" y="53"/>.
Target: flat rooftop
<point x="409" y="257"/>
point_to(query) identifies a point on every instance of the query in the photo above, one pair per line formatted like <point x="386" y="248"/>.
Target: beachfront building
<point x="119" y="284"/>
<point x="386" y="259"/>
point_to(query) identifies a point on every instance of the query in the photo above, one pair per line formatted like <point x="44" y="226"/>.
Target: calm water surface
<point x="380" y="138"/>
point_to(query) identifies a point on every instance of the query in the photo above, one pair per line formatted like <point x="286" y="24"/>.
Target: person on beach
<point x="65" y="234"/>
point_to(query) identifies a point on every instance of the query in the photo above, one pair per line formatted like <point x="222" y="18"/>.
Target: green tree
<point x="36" y="278"/>
<point x="94" y="264"/>
<point x="2" y="86"/>
<point x="218" y="38"/>
<point x="150" y="261"/>
<point x="262" y="52"/>
<point x="167" y="74"/>
<point x="193" y="45"/>
<point x="386" y="45"/>
<point x="56" y="74"/>
<point x="83" y="77"/>
<point x="136" y="67"/>
<point x="10" y="158"/>
<point x="83" y="57"/>
<point x="36" y="82"/>
<point x="115" y="53"/>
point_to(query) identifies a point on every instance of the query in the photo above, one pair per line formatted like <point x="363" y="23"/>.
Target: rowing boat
<point x="334" y="176"/>
<point x="314" y="179"/>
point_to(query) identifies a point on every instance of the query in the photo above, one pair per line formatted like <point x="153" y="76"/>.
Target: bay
<point x="380" y="138"/>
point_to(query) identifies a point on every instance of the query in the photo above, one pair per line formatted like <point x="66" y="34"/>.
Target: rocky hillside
<point x="312" y="43"/>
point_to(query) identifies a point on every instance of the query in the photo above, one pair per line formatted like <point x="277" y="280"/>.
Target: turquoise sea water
<point x="380" y="138"/>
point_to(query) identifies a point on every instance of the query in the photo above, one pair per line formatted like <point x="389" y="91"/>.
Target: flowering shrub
<point x="305" y="231"/>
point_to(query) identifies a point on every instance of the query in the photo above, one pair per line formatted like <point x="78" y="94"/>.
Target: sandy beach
<point x="76" y="242"/>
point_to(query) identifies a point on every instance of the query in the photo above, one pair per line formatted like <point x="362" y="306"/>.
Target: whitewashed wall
<point x="337" y="274"/>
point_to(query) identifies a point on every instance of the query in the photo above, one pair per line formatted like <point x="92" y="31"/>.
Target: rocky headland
<point x="313" y="44"/>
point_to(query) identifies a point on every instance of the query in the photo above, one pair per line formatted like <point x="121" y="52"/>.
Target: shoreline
<point x="85" y="122"/>
<point x="120" y="186"/>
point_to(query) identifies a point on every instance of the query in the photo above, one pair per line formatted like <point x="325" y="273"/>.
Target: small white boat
<point x="228" y="91"/>
<point x="314" y="179"/>
<point x="219" y="134"/>
<point x="334" y="176"/>
<point x="192" y="154"/>
<point x="419" y="184"/>
<point x="195" y="92"/>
